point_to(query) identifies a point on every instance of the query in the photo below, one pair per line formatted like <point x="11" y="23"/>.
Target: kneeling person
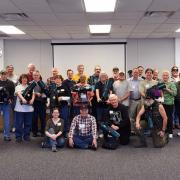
<point x="54" y="132"/>
<point x="152" y="116"/>
<point x="117" y="119"/>
<point x="83" y="130"/>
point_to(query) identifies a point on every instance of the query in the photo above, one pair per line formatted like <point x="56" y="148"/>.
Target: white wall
<point x="177" y="52"/>
<point x="1" y="55"/>
<point x="22" y="52"/>
<point x="155" y="53"/>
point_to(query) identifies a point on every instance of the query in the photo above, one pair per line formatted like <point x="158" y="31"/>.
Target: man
<point x="135" y="96"/>
<point x="147" y="83"/>
<point x="83" y="130"/>
<point x="6" y="97"/>
<point x="118" y="119"/>
<point x="155" y="75"/>
<point x="141" y="70"/>
<point x="80" y="69"/>
<point x="69" y="84"/>
<point x="122" y="89"/>
<point x="175" y="78"/>
<point x="152" y="111"/>
<point x="39" y="106"/>
<point x="174" y="74"/>
<point x="103" y="90"/>
<point x="92" y="82"/>
<point x="55" y="72"/>
<point x="31" y="69"/>
<point x="14" y="78"/>
<point x="11" y="76"/>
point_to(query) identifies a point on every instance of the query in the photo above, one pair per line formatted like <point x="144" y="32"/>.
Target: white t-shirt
<point x="22" y="107"/>
<point x="120" y="88"/>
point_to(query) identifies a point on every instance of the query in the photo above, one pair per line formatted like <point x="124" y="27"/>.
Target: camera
<point x="155" y="91"/>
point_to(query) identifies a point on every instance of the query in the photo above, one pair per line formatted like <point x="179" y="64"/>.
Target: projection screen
<point x="68" y="56"/>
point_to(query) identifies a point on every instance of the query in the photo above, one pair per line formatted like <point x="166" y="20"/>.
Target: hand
<point x="94" y="143"/>
<point x="161" y="133"/>
<point x="53" y="137"/>
<point x="115" y="127"/>
<point x="47" y="104"/>
<point x="24" y="101"/>
<point x="59" y="98"/>
<point x="31" y="102"/>
<point x="71" y="143"/>
<point x="99" y="99"/>
<point x="10" y="101"/>
<point x="138" y="126"/>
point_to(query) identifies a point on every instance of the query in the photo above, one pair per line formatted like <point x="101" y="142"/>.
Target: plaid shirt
<point x="83" y="126"/>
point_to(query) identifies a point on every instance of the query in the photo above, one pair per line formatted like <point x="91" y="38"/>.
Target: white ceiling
<point x="66" y="19"/>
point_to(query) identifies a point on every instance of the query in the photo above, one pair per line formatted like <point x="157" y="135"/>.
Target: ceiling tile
<point x="133" y="5"/>
<point x="165" y="5"/>
<point x="33" y="6"/>
<point x="6" y="6"/>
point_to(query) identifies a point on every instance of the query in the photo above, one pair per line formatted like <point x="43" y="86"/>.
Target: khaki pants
<point x="133" y="109"/>
<point x="158" y="141"/>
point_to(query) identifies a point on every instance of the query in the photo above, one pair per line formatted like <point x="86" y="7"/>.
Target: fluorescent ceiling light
<point x="100" y="28"/>
<point x="100" y="5"/>
<point x="178" y="30"/>
<point x="11" y="30"/>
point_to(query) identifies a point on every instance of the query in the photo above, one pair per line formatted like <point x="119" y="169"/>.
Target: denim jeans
<point x="82" y="142"/>
<point x="5" y="108"/>
<point x="59" y="142"/>
<point x="23" y="124"/>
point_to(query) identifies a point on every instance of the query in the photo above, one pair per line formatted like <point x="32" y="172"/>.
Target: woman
<point x="59" y="98"/>
<point x="169" y="94"/>
<point x="24" y="111"/>
<point x="54" y="132"/>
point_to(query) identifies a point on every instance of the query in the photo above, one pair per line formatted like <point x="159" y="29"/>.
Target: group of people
<point x="84" y="108"/>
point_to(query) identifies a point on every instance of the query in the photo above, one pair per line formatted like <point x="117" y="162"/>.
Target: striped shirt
<point x="83" y="126"/>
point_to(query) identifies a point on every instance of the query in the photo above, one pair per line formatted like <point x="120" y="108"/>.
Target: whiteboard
<point x="90" y="55"/>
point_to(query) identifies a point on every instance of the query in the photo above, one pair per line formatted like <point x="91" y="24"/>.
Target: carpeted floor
<point x="27" y="161"/>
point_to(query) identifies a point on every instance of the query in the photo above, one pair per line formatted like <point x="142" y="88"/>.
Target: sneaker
<point x="178" y="134"/>
<point x="170" y="136"/>
<point x="13" y="130"/>
<point x="101" y="135"/>
<point x="54" y="149"/>
<point x="7" y="139"/>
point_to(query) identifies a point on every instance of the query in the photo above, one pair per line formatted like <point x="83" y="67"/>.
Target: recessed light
<point x="100" y="5"/>
<point x="100" y="28"/>
<point x="178" y="30"/>
<point x="10" y="30"/>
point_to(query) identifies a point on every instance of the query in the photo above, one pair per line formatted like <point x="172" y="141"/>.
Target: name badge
<point x="62" y="90"/>
<point x="147" y="86"/>
<point x="81" y="126"/>
<point x="58" y="124"/>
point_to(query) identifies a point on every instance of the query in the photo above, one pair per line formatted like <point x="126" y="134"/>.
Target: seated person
<point x="117" y="119"/>
<point x="83" y="130"/>
<point x="54" y="132"/>
<point x="152" y="116"/>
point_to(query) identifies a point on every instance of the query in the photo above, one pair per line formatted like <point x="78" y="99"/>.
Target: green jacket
<point x="169" y="97"/>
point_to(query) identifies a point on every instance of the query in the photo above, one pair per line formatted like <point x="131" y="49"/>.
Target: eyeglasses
<point x="174" y="69"/>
